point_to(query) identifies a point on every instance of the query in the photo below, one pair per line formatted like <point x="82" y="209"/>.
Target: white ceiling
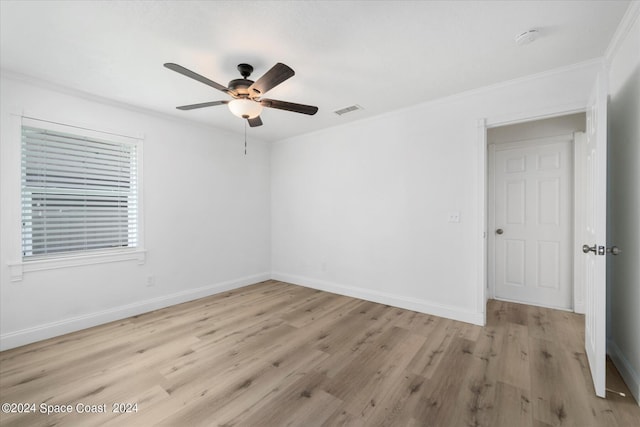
<point x="382" y="55"/>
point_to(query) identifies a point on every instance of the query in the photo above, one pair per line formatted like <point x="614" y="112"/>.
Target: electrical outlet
<point x="151" y="281"/>
<point x="454" y="217"/>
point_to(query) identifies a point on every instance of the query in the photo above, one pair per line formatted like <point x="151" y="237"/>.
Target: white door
<point x="533" y="218"/>
<point x="595" y="163"/>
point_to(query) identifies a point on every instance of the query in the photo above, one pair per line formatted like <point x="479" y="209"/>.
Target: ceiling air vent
<point x="348" y="109"/>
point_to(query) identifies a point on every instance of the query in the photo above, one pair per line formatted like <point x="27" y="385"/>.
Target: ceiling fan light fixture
<point x="245" y="108"/>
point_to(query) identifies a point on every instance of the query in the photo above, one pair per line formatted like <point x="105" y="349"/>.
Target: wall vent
<point x="348" y="109"/>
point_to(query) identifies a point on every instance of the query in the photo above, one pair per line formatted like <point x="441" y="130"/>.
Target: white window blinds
<point x="79" y="194"/>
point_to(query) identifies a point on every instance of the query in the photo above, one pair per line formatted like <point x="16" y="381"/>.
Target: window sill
<point x="17" y="269"/>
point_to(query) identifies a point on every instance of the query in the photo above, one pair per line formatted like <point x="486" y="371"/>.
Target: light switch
<point x="454" y="217"/>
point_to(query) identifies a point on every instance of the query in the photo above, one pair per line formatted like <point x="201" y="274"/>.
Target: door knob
<point x="586" y="249"/>
<point x="614" y="250"/>
<point x="499" y="231"/>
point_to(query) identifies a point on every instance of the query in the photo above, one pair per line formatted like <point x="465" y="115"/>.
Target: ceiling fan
<point x="247" y="95"/>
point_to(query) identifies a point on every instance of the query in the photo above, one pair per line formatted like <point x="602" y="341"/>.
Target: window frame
<point x="78" y="258"/>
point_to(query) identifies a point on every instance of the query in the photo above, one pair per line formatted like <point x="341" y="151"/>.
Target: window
<point x="79" y="192"/>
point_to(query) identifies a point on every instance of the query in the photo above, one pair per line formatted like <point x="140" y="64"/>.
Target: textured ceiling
<point x="382" y="55"/>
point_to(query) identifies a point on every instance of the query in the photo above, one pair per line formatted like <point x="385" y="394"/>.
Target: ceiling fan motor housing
<point x="240" y="86"/>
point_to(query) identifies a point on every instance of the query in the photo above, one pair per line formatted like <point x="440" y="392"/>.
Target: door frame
<point x="482" y="224"/>
<point x="577" y="302"/>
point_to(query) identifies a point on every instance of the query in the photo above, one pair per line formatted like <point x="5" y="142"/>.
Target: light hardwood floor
<point x="275" y="354"/>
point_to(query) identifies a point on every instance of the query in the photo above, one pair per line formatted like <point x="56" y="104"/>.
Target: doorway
<point x="531" y="215"/>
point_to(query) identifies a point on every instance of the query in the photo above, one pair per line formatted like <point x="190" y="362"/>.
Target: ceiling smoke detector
<point x="527" y="37"/>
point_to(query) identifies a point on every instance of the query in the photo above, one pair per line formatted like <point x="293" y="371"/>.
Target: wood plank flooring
<point x="275" y="354"/>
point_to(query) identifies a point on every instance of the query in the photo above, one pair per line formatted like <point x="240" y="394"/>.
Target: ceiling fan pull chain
<point x="245" y="137"/>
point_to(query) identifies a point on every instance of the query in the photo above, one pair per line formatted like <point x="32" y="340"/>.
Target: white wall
<point x="623" y="210"/>
<point x="206" y="219"/>
<point x="363" y="209"/>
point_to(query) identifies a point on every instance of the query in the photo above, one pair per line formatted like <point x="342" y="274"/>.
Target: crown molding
<point x="626" y="24"/>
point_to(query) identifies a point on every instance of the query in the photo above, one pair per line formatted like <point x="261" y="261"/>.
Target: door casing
<point x="482" y="125"/>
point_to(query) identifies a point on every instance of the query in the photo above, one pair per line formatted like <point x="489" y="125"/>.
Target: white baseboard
<point x="394" y="300"/>
<point x="54" y="329"/>
<point x="629" y="375"/>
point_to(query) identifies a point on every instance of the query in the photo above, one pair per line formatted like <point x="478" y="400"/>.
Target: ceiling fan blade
<point x="186" y="72"/>
<point x="202" y="105"/>
<point x="289" y="106"/>
<point x="272" y="78"/>
<point x="256" y="121"/>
